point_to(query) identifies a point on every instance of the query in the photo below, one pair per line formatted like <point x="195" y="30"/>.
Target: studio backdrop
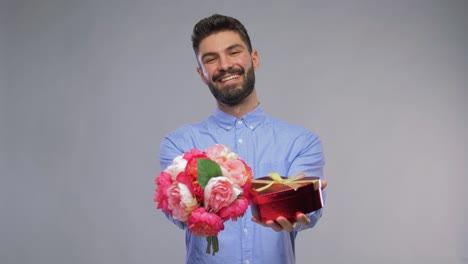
<point x="89" y="88"/>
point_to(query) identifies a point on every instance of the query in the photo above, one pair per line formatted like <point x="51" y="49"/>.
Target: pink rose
<point x="220" y="153"/>
<point x="236" y="171"/>
<point x="235" y="209"/>
<point x="203" y="223"/>
<point x="163" y="181"/>
<point x="220" y="192"/>
<point x="181" y="201"/>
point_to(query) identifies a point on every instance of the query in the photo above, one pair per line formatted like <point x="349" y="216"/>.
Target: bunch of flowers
<point x="204" y="189"/>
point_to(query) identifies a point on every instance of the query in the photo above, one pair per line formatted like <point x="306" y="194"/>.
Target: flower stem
<point x="216" y="245"/>
<point x="208" y="247"/>
<point x="213" y="244"/>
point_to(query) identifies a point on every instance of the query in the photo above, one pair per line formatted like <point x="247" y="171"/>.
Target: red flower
<point x="192" y="171"/>
<point x="202" y="223"/>
<point x="163" y="182"/>
<point x="193" y="186"/>
<point x="193" y="154"/>
<point x="235" y="209"/>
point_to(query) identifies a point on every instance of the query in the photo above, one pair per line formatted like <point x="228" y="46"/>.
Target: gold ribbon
<point x="293" y="182"/>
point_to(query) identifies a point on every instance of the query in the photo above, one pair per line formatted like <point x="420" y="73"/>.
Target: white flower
<point x="178" y="166"/>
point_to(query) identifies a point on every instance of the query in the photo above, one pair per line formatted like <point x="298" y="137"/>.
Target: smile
<point x="229" y="78"/>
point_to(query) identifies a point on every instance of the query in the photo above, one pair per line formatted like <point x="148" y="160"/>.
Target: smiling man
<point x="227" y="65"/>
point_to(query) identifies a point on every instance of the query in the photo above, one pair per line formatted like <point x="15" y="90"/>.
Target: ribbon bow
<point x="293" y="182"/>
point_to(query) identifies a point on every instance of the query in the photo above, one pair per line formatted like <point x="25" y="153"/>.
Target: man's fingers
<point x="269" y="223"/>
<point x="281" y="223"/>
<point x="274" y="225"/>
<point x="285" y="224"/>
<point x="324" y="184"/>
<point x="303" y="219"/>
<point x="258" y="221"/>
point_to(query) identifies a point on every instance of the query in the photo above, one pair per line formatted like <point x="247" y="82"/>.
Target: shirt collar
<point x="251" y="120"/>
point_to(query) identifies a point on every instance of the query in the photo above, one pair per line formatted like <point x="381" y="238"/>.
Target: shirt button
<point x="246" y="231"/>
<point x="240" y="140"/>
<point x="239" y="122"/>
<point x="251" y="127"/>
<point x="247" y="262"/>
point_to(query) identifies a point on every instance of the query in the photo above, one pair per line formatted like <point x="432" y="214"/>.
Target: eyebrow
<point x="233" y="46"/>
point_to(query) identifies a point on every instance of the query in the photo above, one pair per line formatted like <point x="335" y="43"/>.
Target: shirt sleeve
<point x="310" y="160"/>
<point x="167" y="152"/>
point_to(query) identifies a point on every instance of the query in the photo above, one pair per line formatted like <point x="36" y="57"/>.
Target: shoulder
<point x="175" y="143"/>
<point x="179" y="136"/>
<point x="182" y="130"/>
<point x="283" y="127"/>
<point x="185" y="137"/>
<point x="188" y="130"/>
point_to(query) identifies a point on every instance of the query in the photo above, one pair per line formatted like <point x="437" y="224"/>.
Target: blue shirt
<point x="267" y="145"/>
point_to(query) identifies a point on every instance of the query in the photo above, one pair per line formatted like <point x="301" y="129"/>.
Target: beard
<point x="230" y="94"/>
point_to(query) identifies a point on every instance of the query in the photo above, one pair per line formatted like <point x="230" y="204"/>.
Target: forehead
<point x="220" y="41"/>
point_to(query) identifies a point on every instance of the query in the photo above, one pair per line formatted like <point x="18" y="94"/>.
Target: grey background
<point x="89" y="88"/>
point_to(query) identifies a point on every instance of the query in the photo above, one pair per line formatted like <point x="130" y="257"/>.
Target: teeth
<point x="229" y="78"/>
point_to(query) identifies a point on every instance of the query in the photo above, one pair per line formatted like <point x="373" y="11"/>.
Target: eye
<point x="209" y="60"/>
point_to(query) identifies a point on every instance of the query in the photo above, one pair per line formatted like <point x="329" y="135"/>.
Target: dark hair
<point x="218" y="23"/>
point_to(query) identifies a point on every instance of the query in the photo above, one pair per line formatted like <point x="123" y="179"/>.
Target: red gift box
<point x="272" y="198"/>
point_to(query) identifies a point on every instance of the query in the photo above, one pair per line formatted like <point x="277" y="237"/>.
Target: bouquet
<point x="204" y="189"/>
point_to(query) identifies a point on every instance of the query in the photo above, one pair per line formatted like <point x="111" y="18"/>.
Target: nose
<point x="224" y="63"/>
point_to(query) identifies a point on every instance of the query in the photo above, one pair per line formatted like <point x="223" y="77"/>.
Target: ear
<point x="202" y="76"/>
<point x="255" y="59"/>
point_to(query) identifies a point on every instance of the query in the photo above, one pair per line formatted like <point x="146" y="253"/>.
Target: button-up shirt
<point x="267" y="145"/>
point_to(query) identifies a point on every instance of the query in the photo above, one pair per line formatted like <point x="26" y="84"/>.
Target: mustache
<point x="222" y="73"/>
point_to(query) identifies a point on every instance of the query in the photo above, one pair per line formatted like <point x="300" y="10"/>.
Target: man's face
<point x="227" y="67"/>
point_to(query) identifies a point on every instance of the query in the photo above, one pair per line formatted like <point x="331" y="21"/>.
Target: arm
<point x="310" y="160"/>
<point x="167" y="152"/>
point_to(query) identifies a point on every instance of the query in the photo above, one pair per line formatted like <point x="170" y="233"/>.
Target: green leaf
<point x="207" y="169"/>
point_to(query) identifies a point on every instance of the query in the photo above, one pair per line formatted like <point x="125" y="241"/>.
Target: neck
<point x="241" y="109"/>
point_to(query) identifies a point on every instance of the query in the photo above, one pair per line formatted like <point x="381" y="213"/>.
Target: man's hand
<point x="281" y="223"/>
